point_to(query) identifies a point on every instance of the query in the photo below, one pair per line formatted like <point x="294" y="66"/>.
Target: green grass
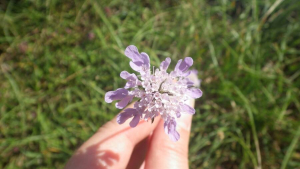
<point x="58" y="58"/>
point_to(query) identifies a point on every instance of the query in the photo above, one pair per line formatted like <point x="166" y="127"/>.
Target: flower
<point x="159" y="93"/>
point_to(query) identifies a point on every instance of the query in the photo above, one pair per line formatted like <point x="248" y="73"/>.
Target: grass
<point x="58" y="58"/>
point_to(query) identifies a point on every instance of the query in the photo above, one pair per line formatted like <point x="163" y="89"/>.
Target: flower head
<point x="159" y="93"/>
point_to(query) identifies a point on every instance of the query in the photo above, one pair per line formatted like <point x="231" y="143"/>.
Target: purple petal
<point x="170" y="129"/>
<point x="165" y="64"/>
<point x="137" y="66"/>
<point x="124" y="102"/>
<point x="134" y="122"/>
<point x="147" y="114"/>
<point x="174" y="136"/>
<point x="183" y="65"/>
<point x="178" y="114"/>
<point x="130" y="84"/>
<point x="139" y="61"/>
<point x="115" y="95"/>
<point x="133" y="53"/>
<point x="132" y="79"/>
<point x="187" y="109"/>
<point x="122" y="117"/>
<point x="124" y="74"/>
<point x="146" y="59"/>
<point x="194" y="93"/>
<point x="177" y="65"/>
<point x="186" y="64"/>
<point x="166" y="127"/>
<point x="150" y="114"/>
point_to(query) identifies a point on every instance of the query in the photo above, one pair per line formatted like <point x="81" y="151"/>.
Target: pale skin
<point x="146" y="146"/>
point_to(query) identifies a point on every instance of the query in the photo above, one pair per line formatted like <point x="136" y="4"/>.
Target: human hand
<point x="145" y="146"/>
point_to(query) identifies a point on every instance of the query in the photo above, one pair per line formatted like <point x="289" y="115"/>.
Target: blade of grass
<point x="291" y="149"/>
<point x="253" y="128"/>
<point x="99" y="11"/>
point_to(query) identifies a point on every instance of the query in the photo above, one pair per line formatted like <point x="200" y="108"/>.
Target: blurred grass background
<point x="58" y="58"/>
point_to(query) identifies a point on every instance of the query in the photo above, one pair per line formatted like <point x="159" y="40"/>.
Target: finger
<point x="111" y="146"/>
<point x="164" y="153"/>
<point x="138" y="155"/>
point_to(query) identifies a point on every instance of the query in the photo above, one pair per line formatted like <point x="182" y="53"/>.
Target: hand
<point x="145" y="146"/>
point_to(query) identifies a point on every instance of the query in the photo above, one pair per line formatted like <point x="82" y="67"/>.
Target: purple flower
<point x="158" y="92"/>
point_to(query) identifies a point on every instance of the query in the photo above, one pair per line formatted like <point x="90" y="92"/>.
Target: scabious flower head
<point x="158" y="92"/>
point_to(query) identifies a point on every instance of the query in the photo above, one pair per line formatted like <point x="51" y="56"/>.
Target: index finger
<point x="111" y="146"/>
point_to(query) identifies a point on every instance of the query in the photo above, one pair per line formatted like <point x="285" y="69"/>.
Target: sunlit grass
<point x="58" y="58"/>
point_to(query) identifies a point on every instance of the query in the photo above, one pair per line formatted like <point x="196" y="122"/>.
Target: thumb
<point x="164" y="153"/>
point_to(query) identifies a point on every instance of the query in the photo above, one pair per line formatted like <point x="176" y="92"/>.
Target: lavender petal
<point x="194" y="93"/>
<point x="133" y="53"/>
<point x="165" y="64"/>
<point x="146" y="60"/>
<point x="174" y="136"/>
<point x="124" y="74"/>
<point x="137" y="59"/>
<point x="178" y="114"/>
<point x="177" y="65"/>
<point x="187" y="109"/>
<point x="137" y="66"/>
<point x="170" y="129"/>
<point x="115" y="95"/>
<point x="134" y="122"/>
<point x="122" y="117"/>
<point x="124" y="102"/>
<point x="150" y="114"/>
<point x="185" y="64"/>
<point x="132" y="79"/>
